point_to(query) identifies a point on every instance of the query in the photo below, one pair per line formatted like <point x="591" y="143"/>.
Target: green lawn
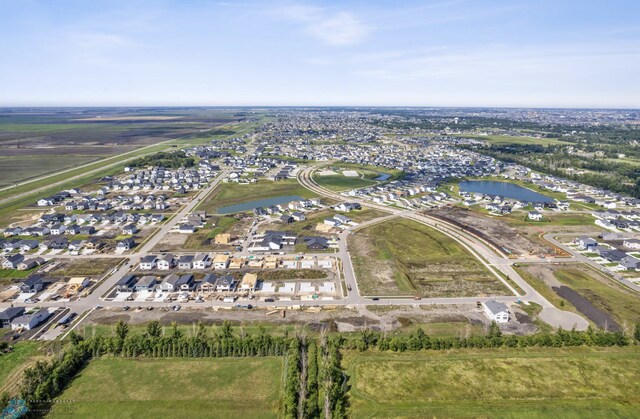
<point x="175" y="387"/>
<point x="367" y="176"/>
<point x="403" y="257"/>
<point x="233" y="193"/>
<point x="496" y="383"/>
<point x="9" y="275"/>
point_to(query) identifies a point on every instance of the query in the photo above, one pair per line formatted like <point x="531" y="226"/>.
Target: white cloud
<point x="330" y="27"/>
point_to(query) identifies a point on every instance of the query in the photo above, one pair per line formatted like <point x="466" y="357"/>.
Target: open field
<point x="12" y="364"/>
<point x="366" y="176"/>
<point x="502" y="383"/>
<point x="223" y="387"/>
<point x="403" y="257"/>
<point x="607" y="303"/>
<point x="233" y="193"/>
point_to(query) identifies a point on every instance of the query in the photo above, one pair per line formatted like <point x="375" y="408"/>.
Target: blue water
<point x="267" y="202"/>
<point x="383" y="176"/>
<point x="503" y="189"/>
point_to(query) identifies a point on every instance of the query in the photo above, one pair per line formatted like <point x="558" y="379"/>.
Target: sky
<point x="538" y="53"/>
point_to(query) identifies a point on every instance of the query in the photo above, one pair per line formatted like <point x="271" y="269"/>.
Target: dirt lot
<point x="522" y="241"/>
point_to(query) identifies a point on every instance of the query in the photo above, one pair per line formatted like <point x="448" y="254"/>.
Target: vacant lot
<point x="308" y="226"/>
<point x="85" y="267"/>
<point x="605" y="302"/>
<point x="233" y="193"/>
<point x="503" y="383"/>
<point x="225" y="388"/>
<point x="367" y="176"/>
<point x="518" y="241"/>
<point x="404" y="257"/>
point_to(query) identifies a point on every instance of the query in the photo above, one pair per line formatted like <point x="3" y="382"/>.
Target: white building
<point x="496" y="311"/>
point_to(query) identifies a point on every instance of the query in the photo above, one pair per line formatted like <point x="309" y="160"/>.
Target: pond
<point x="503" y="189"/>
<point x="267" y="202"/>
<point x="382" y="176"/>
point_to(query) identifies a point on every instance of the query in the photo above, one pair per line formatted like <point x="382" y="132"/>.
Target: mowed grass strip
<point x="534" y="382"/>
<point x="404" y="257"/>
<point x="175" y="387"/>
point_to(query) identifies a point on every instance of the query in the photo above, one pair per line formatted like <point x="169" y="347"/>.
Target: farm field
<point x="14" y="169"/>
<point x="403" y="257"/>
<point x="190" y="387"/>
<point x="496" y="383"/>
<point x="233" y="193"/>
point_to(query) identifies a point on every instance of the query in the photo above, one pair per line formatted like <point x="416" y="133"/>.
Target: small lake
<point x="382" y="176"/>
<point x="267" y="202"/>
<point x="503" y="189"/>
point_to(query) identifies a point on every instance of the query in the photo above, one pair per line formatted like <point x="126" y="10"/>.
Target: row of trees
<point x="170" y="160"/>
<point x="494" y="339"/>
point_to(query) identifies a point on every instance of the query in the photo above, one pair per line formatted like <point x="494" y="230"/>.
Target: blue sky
<point x="415" y="53"/>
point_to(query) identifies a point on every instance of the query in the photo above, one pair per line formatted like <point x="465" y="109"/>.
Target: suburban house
<point x="534" y="215"/>
<point x="29" y="321"/>
<point x="146" y="283"/>
<point x="185" y="262"/>
<point x="174" y="282"/>
<point x="126" y="283"/>
<point x="496" y="311"/>
<point x="31" y="284"/>
<point x="222" y="238"/>
<point x="148" y="262"/>
<point x="632" y="244"/>
<point x="208" y="283"/>
<point x="10" y="313"/>
<point x="166" y="262"/>
<point x="316" y="243"/>
<point x="201" y="261"/>
<point x="249" y="282"/>
<point x="129" y="229"/>
<point x="221" y="262"/>
<point x="126" y="244"/>
<point x="226" y="283"/>
<point x="12" y="261"/>
<point x="586" y="243"/>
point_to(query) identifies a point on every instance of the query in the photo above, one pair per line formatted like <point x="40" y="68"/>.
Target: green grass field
<point x="608" y="295"/>
<point x="496" y="383"/>
<point x="403" y="257"/>
<point x="233" y="193"/>
<point x="175" y="387"/>
<point x="12" y="364"/>
<point x="339" y="182"/>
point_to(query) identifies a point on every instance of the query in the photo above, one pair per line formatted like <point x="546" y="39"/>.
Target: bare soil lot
<point x="521" y="241"/>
